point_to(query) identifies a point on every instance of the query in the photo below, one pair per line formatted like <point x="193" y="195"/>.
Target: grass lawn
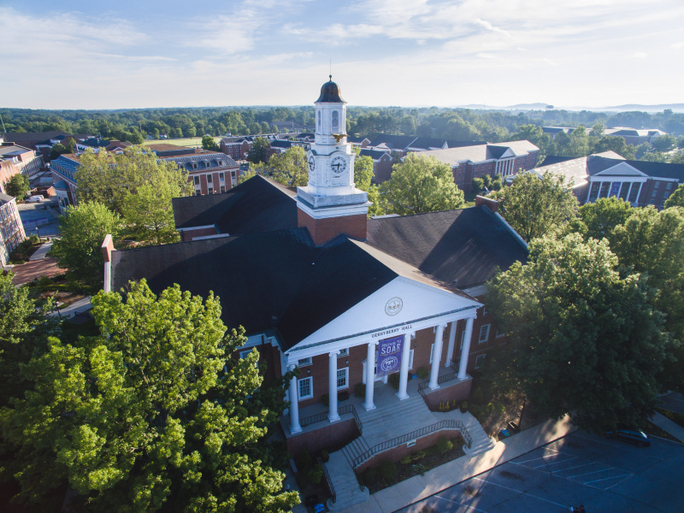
<point x="190" y="141"/>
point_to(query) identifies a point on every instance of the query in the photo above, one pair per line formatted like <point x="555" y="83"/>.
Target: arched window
<point x="319" y="119"/>
<point x="335" y="122"/>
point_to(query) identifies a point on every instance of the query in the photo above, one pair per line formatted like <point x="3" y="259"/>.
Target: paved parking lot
<point x="604" y="475"/>
<point x="40" y="218"/>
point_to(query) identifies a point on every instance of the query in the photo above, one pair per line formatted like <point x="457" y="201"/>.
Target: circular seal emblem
<point x="389" y="363"/>
<point x="394" y="306"/>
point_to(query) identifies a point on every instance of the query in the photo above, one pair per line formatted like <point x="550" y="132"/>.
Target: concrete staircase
<point x="384" y="424"/>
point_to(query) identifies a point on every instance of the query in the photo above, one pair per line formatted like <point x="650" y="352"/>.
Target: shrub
<point x="477" y="396"/>
<point x="370" y="476"/>
<point x="304" y="461"/>
<point x="464" y="405"/>
<point x="394" y="380"/>
<point x="325" y="456"/>
<point x="418" y="455"/>
<point x="33" y="239"/>
<point x="44" y="282"/>
<point x="431" y="451"/>
<point x="360" y="390"/>
<point x="405" y="460"/>
<point x="388" y="470"/>
<point x="325" y="399"/>
<point x="315" y="474"/>
<point x="444" y="445"/>
<point x="477" y="185"/>
<point x="499" y="408"/>
<point x="423" y="372"/>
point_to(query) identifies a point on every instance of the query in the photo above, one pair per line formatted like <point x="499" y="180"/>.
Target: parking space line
<point x="578" y="466"/>
<point x="520" y="492"/>
<point x="588" y="473"/>
<point x="554" y="463"/>
<point x="541" y="457"/>
<point x="606" y="479"/>
<point x="460" y="504"/>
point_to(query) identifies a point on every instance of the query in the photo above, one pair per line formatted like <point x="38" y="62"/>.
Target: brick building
<point x="11" y="228"/>
<point x="505" y="159"/>
<point x="236" y="148"/>
<point x="608" y="174"/>
<point x="351" y="302"/>
<point x="26" y="160"/>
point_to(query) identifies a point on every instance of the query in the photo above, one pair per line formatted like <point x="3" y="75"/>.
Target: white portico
<point x="398" y="311"/>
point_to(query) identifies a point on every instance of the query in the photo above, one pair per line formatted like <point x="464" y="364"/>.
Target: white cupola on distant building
<point x="330" y="193"/>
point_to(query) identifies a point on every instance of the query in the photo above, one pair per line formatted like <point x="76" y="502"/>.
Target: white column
<point x="332" y="386"/>
<point x="294" y="404"/>
<point x="450" y="347"/>
<point x="589" y="192"/>
<point x="436" y="357"/>
<point x="370" y="376"/>
<point x="465" y="350"/>
<point x="403" y="372"/>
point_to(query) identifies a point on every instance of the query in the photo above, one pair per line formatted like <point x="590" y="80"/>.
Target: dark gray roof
<point x="394" y="142"/>
<point x="462" y="247"/>
<point x="596" y="164"/>
<point x="257" y="205"/>
<point x="496" y="151"/>
<point x="427" y="143"/>
<point x="554" y="159"/>
<point x="330" y="93"/>
<point x="374" y="154"/>
<point x="266" y="281"/>
<point x="279" y="143"/>
<point x="5" y="198"/>
<point x="460" y="144"/>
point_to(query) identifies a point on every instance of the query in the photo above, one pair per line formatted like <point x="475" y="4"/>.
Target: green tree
<point x="290" y="168"/>
<point x="654" y="156"/>
<point x="208" y="143"/>
<point x="616" y="144"/>
<point x="534" y="206"/>
<point x="110" y="179"/>
<point x="363" y="172"/>
<point x="584" y="341"/>
<point x="258" y="151"/>
<point x="664" y="143"/>
<point x="24" y="327"/>
<point x="677" y="198"/>
<point x="677" y="158"/>
<point x="421" y="184"/>
<point x="150" y="213"/>
<point x="151" y="415"/>
<point x="83" y="228"/>
<point x="598" y="220"/>
<point x="598" y="130"/>
<point x="652" y="243"/>
<point x="18" y="186"/>
<point x="57" y="150"/>
<point x="244" y="176"/>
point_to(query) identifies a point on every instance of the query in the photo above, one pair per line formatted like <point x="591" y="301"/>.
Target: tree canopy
<point x="208" y="143"/>
<point x="598" y="220"/>
<point x="109" y="179"/>
<point x="18" y="186"/>
<point x="152" y="415"/>
<point x="258" y="151"/>
<point x="584" y="340"/>
<point x="421" y="184"/>
<point x="83" y="228"/>
<point x="363" y="172"/>
<point x="677" y="198"/>
<point x="290" y="168"/>
<point x="534" y="206"/>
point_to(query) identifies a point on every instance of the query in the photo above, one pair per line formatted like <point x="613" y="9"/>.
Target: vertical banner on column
<point x="389" y="355"/>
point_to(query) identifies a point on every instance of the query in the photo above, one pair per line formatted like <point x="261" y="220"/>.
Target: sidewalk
<point x="419" y="487"/>
<point x="666" y="424"/>
<point x="41" y="252"/>
<point x="80" y="306"/>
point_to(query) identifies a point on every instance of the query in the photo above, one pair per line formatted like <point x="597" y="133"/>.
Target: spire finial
<point x="330" y="77"/>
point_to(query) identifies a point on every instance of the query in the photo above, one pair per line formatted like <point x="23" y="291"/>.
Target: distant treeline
<point x="442" y="123"/>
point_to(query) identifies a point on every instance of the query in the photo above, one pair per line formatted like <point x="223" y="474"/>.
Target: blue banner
<point x="389" y="355"/>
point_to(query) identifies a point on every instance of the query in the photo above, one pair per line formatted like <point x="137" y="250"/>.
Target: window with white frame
<point x="500" y="334"/>
<point x="305" y="388"/>
<point x="304" y="362"/>
<point x="484" y="333"/>
<point x="480" y="360"/>
<point x="211" y="190"/>
<point x="343" y="352"/>
<point x="223" y="188"/>
<point x="342" y="378"/>
<point x="209" y="179"/>
<point x="669" y="186"/>
<point x="244" y="353"/>
<point x="484" y="311"/>
<point x="197" y="182"/>
<point x="221" y="176"/>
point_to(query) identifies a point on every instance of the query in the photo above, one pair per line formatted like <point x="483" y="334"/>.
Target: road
<point x="606" y="476"/>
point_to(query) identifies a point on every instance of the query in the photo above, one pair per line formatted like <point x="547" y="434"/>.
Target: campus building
<point x="355" y="304"/>
<point x="11" y="228"/>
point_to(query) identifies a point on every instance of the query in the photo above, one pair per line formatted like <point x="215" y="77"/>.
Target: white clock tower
<point x="330" y="204"/>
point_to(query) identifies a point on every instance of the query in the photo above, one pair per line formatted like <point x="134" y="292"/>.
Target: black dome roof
<point x="330" y="93"/>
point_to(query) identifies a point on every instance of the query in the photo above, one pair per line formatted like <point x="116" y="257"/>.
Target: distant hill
<point x="676" y="107"/>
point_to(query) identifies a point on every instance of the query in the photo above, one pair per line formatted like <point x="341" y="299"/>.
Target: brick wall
<point x="458" y="391"/>
<point x="382" y="169"/>
<point x="323" y="230"/>
<point x="333" y="435"/>
<point x="399" y="452"/>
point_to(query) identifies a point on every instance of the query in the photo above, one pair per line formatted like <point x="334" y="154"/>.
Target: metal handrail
<point x="312" y="419"/>
<point x="327" y="478"/>
<point x="441" y="379"/>
<point x="395" y="442"/>
<point x="349" y="408"/>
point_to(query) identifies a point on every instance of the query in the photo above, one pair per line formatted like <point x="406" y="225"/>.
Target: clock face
<point x="338" y="165"/>
<point x="312" y="164"/>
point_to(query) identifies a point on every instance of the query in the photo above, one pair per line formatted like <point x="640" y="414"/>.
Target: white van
<point x="35" y="199"/>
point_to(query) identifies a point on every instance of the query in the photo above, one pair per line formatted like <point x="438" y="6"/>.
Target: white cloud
<point x="679" y="45"/>
<point x="640" y="55"/>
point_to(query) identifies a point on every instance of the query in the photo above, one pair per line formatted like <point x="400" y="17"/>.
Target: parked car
<point x="631" y="435"/>
<point x="35" y="199"/>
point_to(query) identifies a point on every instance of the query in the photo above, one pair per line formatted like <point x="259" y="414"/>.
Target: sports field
<point x="190" y="141"/>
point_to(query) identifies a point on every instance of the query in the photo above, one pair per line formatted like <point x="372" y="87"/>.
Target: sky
<point x="168" y="53"/>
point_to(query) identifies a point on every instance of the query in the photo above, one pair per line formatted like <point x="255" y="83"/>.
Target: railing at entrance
<point x="413" y="435"/>
<point x="327" y="478"/>
<point x="320" y="417"/>
<point x="441" y="379"/>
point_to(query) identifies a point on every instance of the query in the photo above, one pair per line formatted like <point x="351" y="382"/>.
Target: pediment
<point x="621" y="169"/>
<point x="400" y="303"/>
